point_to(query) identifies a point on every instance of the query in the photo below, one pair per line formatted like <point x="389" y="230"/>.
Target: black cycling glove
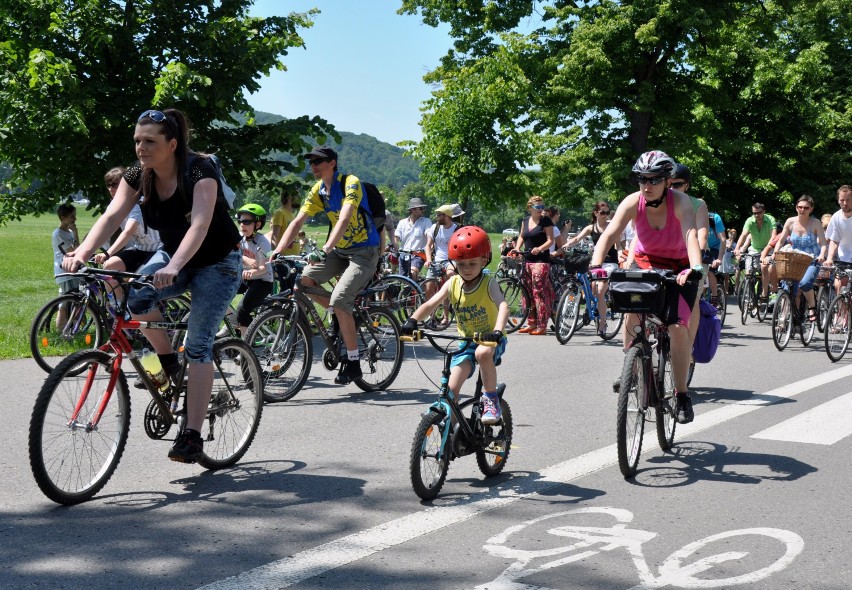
<point x="492" y="336"/>
<point x="407" y="328"/>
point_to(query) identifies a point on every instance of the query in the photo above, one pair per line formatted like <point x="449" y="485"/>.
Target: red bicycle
<point x="81" y="418"/>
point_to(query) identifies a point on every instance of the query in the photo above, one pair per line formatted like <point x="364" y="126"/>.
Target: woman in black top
<point x="536" y="236"/>
<point x="200" y="253"/>
<point x="600" y="220"/>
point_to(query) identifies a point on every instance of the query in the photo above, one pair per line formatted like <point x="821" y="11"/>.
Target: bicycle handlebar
<point x="418" y="335"/>
<point x="90" y="273"/>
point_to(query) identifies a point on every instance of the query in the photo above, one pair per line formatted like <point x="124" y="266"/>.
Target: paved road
<point x="754" y="492"/>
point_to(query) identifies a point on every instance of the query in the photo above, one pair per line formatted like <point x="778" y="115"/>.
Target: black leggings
<point x="255" y="292"/>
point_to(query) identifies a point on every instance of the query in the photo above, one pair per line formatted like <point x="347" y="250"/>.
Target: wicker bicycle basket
<point x="791" y="266"/>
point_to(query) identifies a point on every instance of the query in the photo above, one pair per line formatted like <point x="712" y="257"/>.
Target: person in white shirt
<point x="411" y="233"/>
<point x="839" y="231"/>
<point x="437" y="256"/>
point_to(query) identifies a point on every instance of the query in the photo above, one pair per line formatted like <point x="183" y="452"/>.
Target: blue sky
<point x="366" y="40"/>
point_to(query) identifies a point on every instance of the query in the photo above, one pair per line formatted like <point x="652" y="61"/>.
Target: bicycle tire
<point x="282" y="342"/>
<point x="379" y="345"/>
<point x="568" y="313"/>
<point x="722" y="303"/>
<point x="402" y="295"/>
<point x="746" y="295"/>
<point x="428" y="461"/>
<point x="761" y="310"/>
<point x="85" y="329"/>
<point x="837" y="329"/>
<point x="807" y="327"/>
<point x="823" y="302"/>
<point x="666" y="409"/>
<point x="518" y="298"/>
<point x="614" y="319"/>
<point x="492" y="459"/>
<point x="782" y="320"/>
<point x="236" y="404"/>
<point x="630" y="418"/>
<point x="441" y="317"/>
<point x="72" y="463"/>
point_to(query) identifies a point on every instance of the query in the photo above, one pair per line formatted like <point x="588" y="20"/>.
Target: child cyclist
<point x="480" y="307"/>
<point x="257" y="272"/>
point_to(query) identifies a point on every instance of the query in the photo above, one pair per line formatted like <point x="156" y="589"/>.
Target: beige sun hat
<point x="445" y="209"/>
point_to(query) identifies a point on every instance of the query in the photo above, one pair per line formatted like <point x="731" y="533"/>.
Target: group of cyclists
<point x="200" y="249"/>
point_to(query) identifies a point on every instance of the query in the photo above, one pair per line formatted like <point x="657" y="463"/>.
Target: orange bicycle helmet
<point x="469" y="242"/>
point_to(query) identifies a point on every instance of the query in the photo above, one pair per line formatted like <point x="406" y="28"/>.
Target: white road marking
<point x="318" y="560"/>
<point x="823" y="425"/>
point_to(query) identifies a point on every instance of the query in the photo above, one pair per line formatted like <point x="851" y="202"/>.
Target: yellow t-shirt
<point x="282" y="218"/>
<point x="322" y="199"/>
<point x="475" y="310"/>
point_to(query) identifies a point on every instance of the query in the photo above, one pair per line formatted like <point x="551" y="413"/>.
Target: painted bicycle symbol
<point x="677" y="570"/>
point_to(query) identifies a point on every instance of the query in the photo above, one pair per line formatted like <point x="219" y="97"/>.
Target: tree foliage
<point x="559" y="97"/>
<point x="74" y="76"/>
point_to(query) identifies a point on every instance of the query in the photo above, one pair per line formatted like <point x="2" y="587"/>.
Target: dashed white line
<point x="823" y="425"/>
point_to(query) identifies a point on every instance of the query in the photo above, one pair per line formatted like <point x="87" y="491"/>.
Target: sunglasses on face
<point x="604" y="212"/>
<point x="803" y="207"/>
<point x="537" y="207"/>
<point x="679" y="184"/>
<point x="317" y="161"/>
<point x="652" y="180"/>
<point x="246" y="221"/>
<point x="757" y="212"/>
<point x="155" y="116"/>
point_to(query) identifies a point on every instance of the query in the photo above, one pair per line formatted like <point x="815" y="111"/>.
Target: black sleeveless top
<point x="612" y="253"/>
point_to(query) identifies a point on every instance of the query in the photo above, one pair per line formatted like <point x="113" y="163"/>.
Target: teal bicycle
<point x="445" y="433"/>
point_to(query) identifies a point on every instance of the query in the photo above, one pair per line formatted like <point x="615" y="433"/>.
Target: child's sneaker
<point x="490" y="409"/>
<point x="187" y="448"/>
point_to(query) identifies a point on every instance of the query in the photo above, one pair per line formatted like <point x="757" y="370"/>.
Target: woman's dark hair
<point x="114" y="175"/>
<point x="174" y="126"/>
<point x="807" y="199"/>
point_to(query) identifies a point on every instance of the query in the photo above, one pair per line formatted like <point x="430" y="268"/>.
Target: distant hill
<point x="368" y="158"/>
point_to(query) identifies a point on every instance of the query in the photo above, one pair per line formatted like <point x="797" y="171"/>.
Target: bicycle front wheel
<point x="630" y="419"/>
<point x="71" y="457"/>
<point x="807" y="327"/>
<point x="614" y="319"/>
<point x="782" y="320"/>
<point x="429" y="461"/>
<point x="64" y="325"/>
<point x="837" y="329"/>
<point x="746" y="301"/>
<point x="518" y="299"/>
<point x="400" y="294"/>
<point x="380" y="349"/>
<point x="823" y="302"/>
<point x="568" y="313"/>
<point x="236" y="404"/>
<point x="282" y="342"/>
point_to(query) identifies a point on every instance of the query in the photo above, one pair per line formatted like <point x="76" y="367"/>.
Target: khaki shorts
<point x="354" y="266"/>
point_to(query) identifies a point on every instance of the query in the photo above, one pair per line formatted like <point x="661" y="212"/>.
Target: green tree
<point x="74" y="75"/>
<point x="748" y="93"/>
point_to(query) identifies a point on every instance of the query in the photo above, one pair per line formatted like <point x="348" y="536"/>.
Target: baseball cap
<point x="322" y="152"/>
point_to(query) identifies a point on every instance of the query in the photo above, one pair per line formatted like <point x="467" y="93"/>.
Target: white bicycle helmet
<point x="655" y="163"/>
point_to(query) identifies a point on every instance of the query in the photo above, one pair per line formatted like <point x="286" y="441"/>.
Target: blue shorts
<point x="469" y="355"/>
<point x="212" y="288"/>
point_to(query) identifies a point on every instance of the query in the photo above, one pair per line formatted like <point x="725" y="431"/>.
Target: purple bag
<point x="709" y="333"/>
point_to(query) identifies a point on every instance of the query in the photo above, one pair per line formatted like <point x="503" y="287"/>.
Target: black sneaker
<point x="349" y="371"/>
<point x="187" y="448"/>
<point x="685" y="415"/>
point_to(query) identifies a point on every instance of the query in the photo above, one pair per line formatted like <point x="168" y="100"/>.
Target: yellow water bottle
<point x="151" y="364"/>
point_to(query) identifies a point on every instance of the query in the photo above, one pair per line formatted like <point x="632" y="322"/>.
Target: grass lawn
<point x="26" y="274"/>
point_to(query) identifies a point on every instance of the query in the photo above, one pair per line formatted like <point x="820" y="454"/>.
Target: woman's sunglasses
<point x="652" y="180"/>
<point x="155" y="116"/>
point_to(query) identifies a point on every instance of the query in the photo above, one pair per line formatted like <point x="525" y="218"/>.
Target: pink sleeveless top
<point x="660" y="243"/>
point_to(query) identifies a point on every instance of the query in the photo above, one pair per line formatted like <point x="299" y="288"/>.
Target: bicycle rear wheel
<point x="782" y="320"/>
<point x="401" y="295"/>
<point x="722" y="304"/>
<point x="746" y="301"/>
<point x="630" y="419"/>
<point x="236" y="404"/>
<point x="568" y="313"/>
<point x="519" y="299"/>
<point x="666" y="410"/>
<point x="83" y="327"/>
<point x="429" y="461"/>
<point x="282" y="342"/>
<point x="837" y="329"/>
<point x="614" y="319"/>
<point x="497" y="440"/>
<point x="72" y="460"/>
<point x="379" y="345"/>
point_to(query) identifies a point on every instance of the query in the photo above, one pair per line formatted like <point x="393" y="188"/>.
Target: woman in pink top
<point x="666" y="238"/>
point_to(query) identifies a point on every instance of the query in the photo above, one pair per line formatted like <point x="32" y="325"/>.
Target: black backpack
<point x="225" y="193"/>
<point x="375" y="203"/>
